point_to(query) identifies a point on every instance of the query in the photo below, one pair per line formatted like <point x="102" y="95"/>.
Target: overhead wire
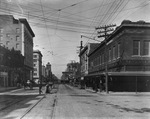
<point x="115" y="8"/>
<point x="106" y="11"/>
<point x="39" y="16"/>
<point x="46" y="25"/>
<point x="141" y="5"/>
<point x="119" y="11"/>
<point x="96" y="15"/>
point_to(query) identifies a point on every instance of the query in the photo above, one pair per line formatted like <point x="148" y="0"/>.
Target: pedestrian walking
<point x="47" y="88"/>
<point x="100" y="85"/>
<point x="40" y="88"/>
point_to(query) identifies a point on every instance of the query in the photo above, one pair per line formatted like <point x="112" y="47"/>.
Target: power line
<point x="45" y="24"/>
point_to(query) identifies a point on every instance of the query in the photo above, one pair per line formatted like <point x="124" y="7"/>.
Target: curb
<point x="30" y="108"/>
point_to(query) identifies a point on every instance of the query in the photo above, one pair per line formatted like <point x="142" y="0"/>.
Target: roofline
<point x="37" y="51"/>
<point x="25" y="22"/>
<point x="120" y="28"/>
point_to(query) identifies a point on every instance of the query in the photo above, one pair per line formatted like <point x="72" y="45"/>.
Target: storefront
<point x="3" y="79"/>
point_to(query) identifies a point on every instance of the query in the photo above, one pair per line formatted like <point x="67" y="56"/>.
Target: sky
<point x="59" y="24"/>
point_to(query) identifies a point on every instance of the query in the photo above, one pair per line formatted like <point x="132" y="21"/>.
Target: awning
<point x="135" y="73"/>
<point x="127" y="73"/>
<point x="95" y="74"/>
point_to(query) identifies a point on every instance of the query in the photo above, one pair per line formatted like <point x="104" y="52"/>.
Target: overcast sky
<point x="59" y="24"/>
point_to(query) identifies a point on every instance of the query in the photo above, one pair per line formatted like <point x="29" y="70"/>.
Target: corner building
<point x="126" y="55"/>
<point x="17" y="34"/>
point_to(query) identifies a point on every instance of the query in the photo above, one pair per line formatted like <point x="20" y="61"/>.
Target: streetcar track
<point x="10" y="105"/>
<point x="29" y="109"/>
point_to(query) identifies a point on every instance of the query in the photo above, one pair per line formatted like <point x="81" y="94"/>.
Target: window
<point x="1" y="38"/>
<point x="17" y="38"/>
<point x="17" y="46"/>
<point x="17" y="30"/>
<point x="7" y="42"/>
<point x="1" y="30"/>
<point x="114" y="52"/>
<point x="35" y="69"/>
<point x="35" y="74"/>
<point x="118" y="53"/>
<point x="34" y="60"/>
<point x="35" y="56"/>
<point x="136" y="47"/>
<point x="109" y="57"/>
<point x="8" y="35"/>
<point x="146" y="50"/>
<point x="92" y="64"/>
<point x="100" y="60"/>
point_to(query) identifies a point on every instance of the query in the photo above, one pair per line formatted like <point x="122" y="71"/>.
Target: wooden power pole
<point x="104" y="32"/>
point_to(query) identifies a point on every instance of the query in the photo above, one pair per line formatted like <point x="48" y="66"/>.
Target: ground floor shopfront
<point x="120" y="81"/>
<point x="14" y="77"/>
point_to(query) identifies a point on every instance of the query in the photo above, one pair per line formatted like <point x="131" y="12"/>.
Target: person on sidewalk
<point x="47" y="88"/>
<point x="40" y="88"/>
<point x="100" y="86"/>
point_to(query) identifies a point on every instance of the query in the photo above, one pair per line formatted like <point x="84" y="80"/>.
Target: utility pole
<point x="80" y="48"/>
<point x="104" y="31"/>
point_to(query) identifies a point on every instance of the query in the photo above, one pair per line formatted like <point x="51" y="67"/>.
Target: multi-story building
<point x="10" y="60"/>
<point x="48" y="72"/>
<point x="84" y="58"/>
<point x="72" y="73"/>
<point x="125" y="57"/>
<point x="43" y="73"/>
<point x="17" y="34"/>
<point x="37" y="65"/>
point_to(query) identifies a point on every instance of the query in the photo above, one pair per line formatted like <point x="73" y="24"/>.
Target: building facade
<point x="84" y="61"/>
<point x="48" y="72"/>
<point x="17" y="34"/>
<point x="37" y="65"/>
<point x="125" y="57"/>
<point x="11" y="67"/>
<point x="43" y="73"/>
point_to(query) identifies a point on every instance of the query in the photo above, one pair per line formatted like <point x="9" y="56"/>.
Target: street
<point x="68" y="102"/>
<point x="73" y="103"/>
<point x="14" y="103"/>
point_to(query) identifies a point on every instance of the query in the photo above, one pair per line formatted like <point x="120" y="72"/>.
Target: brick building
<point x="17" y="34"/>
<point x="85" y="51"/>
<point x="126" y="55"/>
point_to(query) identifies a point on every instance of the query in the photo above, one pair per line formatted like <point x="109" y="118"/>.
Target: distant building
<point x="37" y="65"/>
<point x="126" y="56"/>
<point x="72" y="73"/>
<point x="48" y="72"/>
<point x="43" y="71"/>
<point x="17" y="34"/>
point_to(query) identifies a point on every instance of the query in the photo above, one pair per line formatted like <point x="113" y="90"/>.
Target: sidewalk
<point x="119" y="93"/>
<point x="43" y="108"/>
<point x="5" y="89"/>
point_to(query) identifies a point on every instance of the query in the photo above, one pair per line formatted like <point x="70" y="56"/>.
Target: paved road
<point x="73" y="103"/>
<point x="14" y="103"/>
<point x="44" y="109"/>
